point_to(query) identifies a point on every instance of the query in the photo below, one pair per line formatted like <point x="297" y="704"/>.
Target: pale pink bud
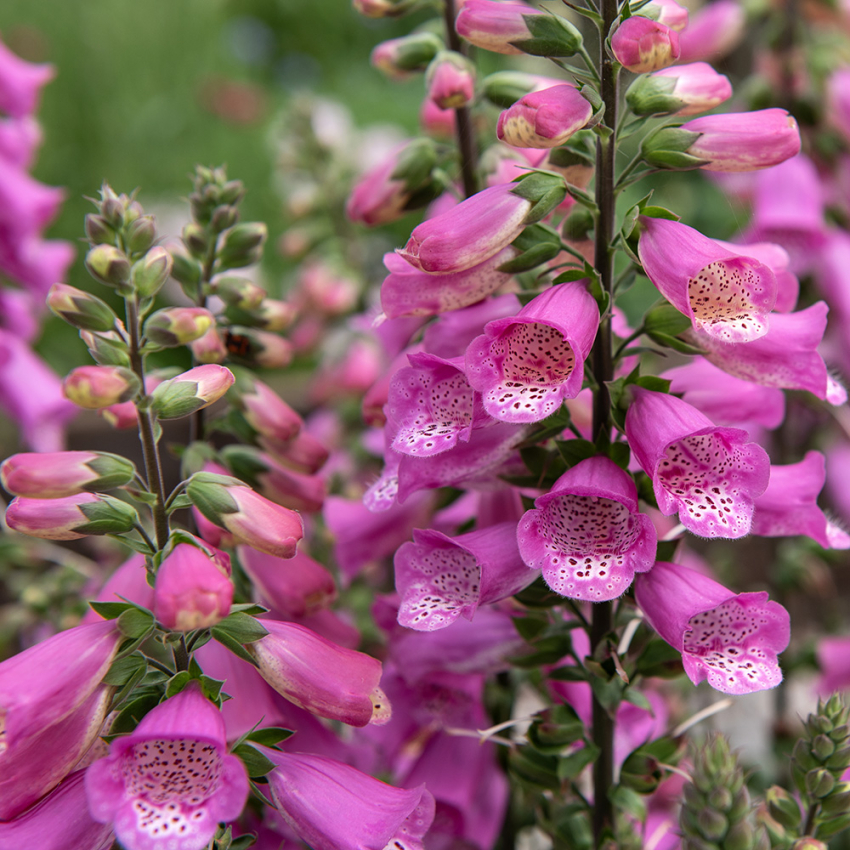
<point x="209" y="348"/>
<point x="70" y="517"/>
<point x="191" y="390"/>
<point x="94" y="387"/>
<point x="178" y="325"/>
<point x="544" y="119"/>
<point x="643" y="45"/>
<point x="450" y="80"/>
<point x="53" y="475"/>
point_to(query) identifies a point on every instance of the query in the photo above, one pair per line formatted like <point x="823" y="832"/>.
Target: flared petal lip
<point x="587" y="491"/>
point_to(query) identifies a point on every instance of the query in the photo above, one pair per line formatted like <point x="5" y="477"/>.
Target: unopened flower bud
<point x="238" y="291"/>
<point x="267" y="414"/>
<point x="192" y="590"/>
<point x="232" y="192"/>
<point x="141" y="234"/>
<point x="398" y="57"/>
<point x="185" y="270"/>
<point x="195" y="238"/>
<point x="544" y="119"/>
<point x="783" y="808"/>
<point x="94" y="387"/>
<point x="643" y="45"/>
<point x="54" y="475"/>
<point x="107" y="348"/>
<point x="273" y="315"/>
<point x="178" y="325"/>
<point x="151" y="272"/>
<point x="109" y="265"/>
<point x="71" y="517"/>
<point x="243" y="245"/>
<point x="80" y="309"/>
<point x="383" y="8"/>
<point x="808" y="843"/>
<point x="680" y="90"/>
<point x="667" y="12"/>
<point x="190" y="391"/>
<point x="819" y="782"/>
<point x="450" y="80"/>
<point x="209" y="348"/>
<point x="223" y="217"/>
<point x="98" y="230"/>
<point x="258" y="348"/>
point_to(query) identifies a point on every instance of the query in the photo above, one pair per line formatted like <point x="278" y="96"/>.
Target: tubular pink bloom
<point x="294" y="588"/>
<point x="192" y="590"/>
<point x="469" y="233"/>
<point x="731" y="639"/>
<point x="450" y="80"/>
<point x="725" y="399"/>
<point x="431" y="406"/>
<point x="94" y="387"/>
<point x="170" y="781"/>
<point x="681" y="90"/>
<point x="209" y="348"/>
<point x="34" y="262"/>
<point x="20" y="138"/>
<point x="436" y="122"/>
<point x="728" y="297"/>
<point x="441" y="578"/>
<point x="833" y="654"/>
<point x="643" y="45"/>
<point x="290" y="489"/>
<point x="837" y="111"/>
<point x="832" y="271"/>
<point x="128" y="581"/>
<point x="713" y="31"/>
<point x="70" y="517"/>
<point x="304" y="453"/>
<point x="786" y="357"/>
<point x="524" y="366"/>
<point x="408" y="291"/>
<point x="495" y="26"/>
<point x="269" y="415"/>
<point x="375" y="398"/>
<point x="332" y="806"/>
<point x="709" y="475"/>
<point x="789" y="505"/>
<point x="52" y="475"/>
<point x="326" y="289"/>
<point x="544" y="119"/>
<point x="777" y="260"/>
<point x="452" y="333"/>
<point x="587" y="534"/>
<point x="25" y="204"/>
<point x="321" y="677"/>
<point x="744" y="141"/>
<point x="51" y="710"/>
<point x="20" y="83"/>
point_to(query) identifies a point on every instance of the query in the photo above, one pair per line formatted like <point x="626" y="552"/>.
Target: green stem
<point x="810" y="819"/>
<point x="181" y="654"/>
<point x="153" y="468"/>
<point x="196" y="423"/>
<point x="144" y="535"/>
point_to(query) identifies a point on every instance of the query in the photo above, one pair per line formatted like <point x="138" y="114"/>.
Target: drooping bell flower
<point x="544" y="119"/>
<point x="193" y="589"/>
<point x="249" y="517"/>
<point x="171" y="781"/>
<point x="400" y="58"/>
<point x="26" y="205"/>
<point x="726" y="296"/>
<point x="478" y="228"/>
<point x="441" y="578"/>
<point x="789" y="505"/>
<point x="786" y="357"/>
<point x="70" y="517"/>
<point x="709" y="475"/>
<point x="642" y="45"/>
<point x="524" y="366"/>
<point x="777" y="259"/>
<point x="332" y="806"/>
<point x="20" y="83"/>
<point x="319" y="676"/>
<point x="713" y="31"/>
<point x="268" y="415"/>
<point x="725" y="399"/>
<point x="304" y="453"/>
<point x="731" y="639"/>
<point x="681" y="90"/>
<point x="450" y="335"/>
<point x="294" y="588"/>
<point x="832" y="272"/>
<point x="409" y="291"/>
<point x="587" y="534"/>
<point x="59" y="821"/>
<point x="431" y="406"/>
<point x="20" y="138"/>
<point x="51" y="710"/>
<point x="52" y="475"/>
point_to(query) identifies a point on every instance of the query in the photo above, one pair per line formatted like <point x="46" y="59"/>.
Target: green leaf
<point x="570" y="276"/>
<point x="664" y="318"/>
<point x="269" y="736"/>
<point x="538" y="595"/>
<point x="547" y="650"/>
<point x="651" y="382"/>
<point x="255" y="762"/>
<point x="638" y="698"/>
<point x="110" y="610"/>
<point x="659" y="659"/>
<point x="620" y="453"/>
<point x="660" y="212"/>
<point x="554" y="729"/>
<point x="180" y="503"/>
<point x="575" y="451"/>
<point x="141" y="495"/>
<point x="629" y="801"/>
<point x="535" y="768"/>
<point x="135" y="623"/>
<point x="679" y="345"/>
<point x="211" y="688"/>
<point x="226" y="640"/>
<point x="529" y="627"/>
<point x="131" y="715"/>
<point x="570" y="766"/>
<point x="177" y="683"/>
<point x="666" y="550"/>
<point x="243" y="842"/>
<point x="568" y="673"/>
<point x="609" y="694"/>
<point x="123" y="670"/>
<point x="241" y="627"/>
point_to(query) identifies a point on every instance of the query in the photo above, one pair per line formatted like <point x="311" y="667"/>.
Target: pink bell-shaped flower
<point x="524" y="366"/>
<point x="731" y="639"/>
<point x="332" y="806"/>
<point x="777" y="259"/>
<point x="587" y="534"/>
<point x="709" y="475"/>
<point x="441" y="578"/>
<point x="54" y="475"/>
<point x="725" y="295"/>
<point x="171" y="781"/>
<point x="713" y="31"/>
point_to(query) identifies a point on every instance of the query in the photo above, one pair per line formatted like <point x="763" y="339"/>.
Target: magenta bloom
<point x="332" y="806"/>
<point x="431" y="406"/>
<point x="170" y="782"/>
<point x="744" y="141"/>
<point x="26" y="206"/>
<point x="726" y="296"/>
<point x="731" y="639"/>
<point x="452" y="333"/>
<point x="710" y="475"/>
<point x="833" y="655"/>
<point x="495" y="26"/>
<point x="524" y="366"/>
<point x="587" y="534"/>
<point x="786" y="357"/>
<point x="20" y="138"/>
<point x="321" y="677"/>
<point x="789" y="505"/>
<point x="469" y="233"/>
<point x="20" y="83"/>
<point x="441" y="578"/>
<point x="269" y="415"/>
<point x="193" y="590"/>
<point x="51" y="710"/>
<point x="58" y="822"/>
<point x="643" y="45"/>
<point x="776" y="258"/>
<point x="408" y="291"/>
<point x="713" y="31"/>
<point x="544" y="119"/>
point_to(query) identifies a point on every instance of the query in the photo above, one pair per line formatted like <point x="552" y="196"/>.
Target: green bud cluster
<point x="716" y="811"/>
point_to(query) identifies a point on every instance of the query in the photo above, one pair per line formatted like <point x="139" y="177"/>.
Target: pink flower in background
<point x="713" y="31"/>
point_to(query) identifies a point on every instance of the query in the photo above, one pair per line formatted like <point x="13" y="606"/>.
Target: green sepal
<point x="229" y="642"/>
<point x="270" y="736"/>
<point x="242" y="627"/>
<point x="545" y="191"/>
<point x="546" y="650"/>
<point x="555" y="728"/>
<point x="660" y="660"/>
<point x="110" y="610"/>
<point x="136" y="623"/>
<point x="570" y="766"/>
<point x="575" y="451"/>
<point x="538" y="595"/>
<point x="255" y="762"/>
<point x="551" y="36"/>
<point x="537" y="244"/>
<point x="535" y="768"/>
<point x="132" y="714"/>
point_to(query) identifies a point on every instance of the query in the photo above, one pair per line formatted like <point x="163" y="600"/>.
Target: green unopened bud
<point x="720" y="798"/>
<point x="238" y="291"/>
<point x="178" y="325"/>
<point x="273" y="315"/>
<point x="109" y="265"/>
<point x="783" y="808"/>
<point x="550" y="36"/>
<point x="80" y="309"/>
<point x="545" y="191"/>
<point x="195" y="238"/>
<point x="802" y="755"/>
<point x="232" y="192"/>
<point x="223" y="216"/>
<point x="107" y="515"/>
<point x="150" y="273"/>
<point x="107" y="348"/>
<point x="400" y="56"/>
<point x="839" y="761"/>
<point x="819" y="782"/>
<point x="712" y="825"/>
<point x="650" y="94"/>
<point x="243" y="245"/>
<point x="668" y="149"/>
<point x="98" y="230"/>
<point x="505" y="88"/>
<point x="840" y="733"/>
<point x="141" y="234"/>
<point x="190" y="391"/>
<point x="186" y="271"/>
<point x="112" y="209"/>
<point x="741" y="836"/>
<point x="822" y="747"/>
<point x="838" y="802"/>
<point x="579" y="224"/>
